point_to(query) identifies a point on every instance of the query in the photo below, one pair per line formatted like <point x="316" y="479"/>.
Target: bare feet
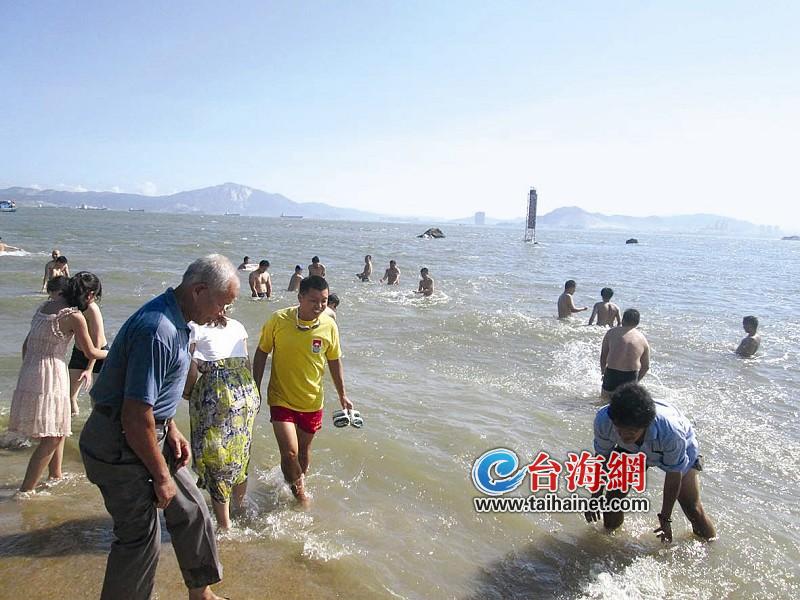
<point x="299" y="491"/>
<point x="204" y="593"/>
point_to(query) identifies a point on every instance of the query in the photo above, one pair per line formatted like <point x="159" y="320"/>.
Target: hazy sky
<point x="433" y="108"/>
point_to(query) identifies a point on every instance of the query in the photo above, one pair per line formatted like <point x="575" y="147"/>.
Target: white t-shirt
<point x="216" y="343"/>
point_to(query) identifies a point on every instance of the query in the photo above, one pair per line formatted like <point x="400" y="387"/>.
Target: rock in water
<point x="632" y="241"/>
<point x="433" y="232"/>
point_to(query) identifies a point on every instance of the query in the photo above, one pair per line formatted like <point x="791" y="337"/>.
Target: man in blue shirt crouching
<point x="633" y="422"/>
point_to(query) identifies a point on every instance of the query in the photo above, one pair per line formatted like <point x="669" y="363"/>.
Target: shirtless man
<point x="749" y="345"/>
<point x="625" y="355"/>
<point x="566" y="306"/>
<point x="316" y="268"/>
<point x="426" y="283"/>
<point x="6" y="248"/>
<point x="48" y="269"/>
<point x="333" y="302"/>
<point x="260" y="281"/>
<point x="392" y="274"/>
<point x="246" y="264"/>
<point x="294" y="281"/>
<point x="605" y="311"/>
<point x="367" y="272"/>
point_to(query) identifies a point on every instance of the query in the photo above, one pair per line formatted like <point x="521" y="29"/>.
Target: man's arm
<point x="616" y="317"/>
<point x="259" y="363"/>
<point x="604" y="354"/>
<point x="645" y="361"/>
<point x="139" y="428"/>
<point x="269" y="285"/>
<point x="251" y="281"/>
<point x="672" y="487"/>
<point x="337" y="374"/>
<point x="593" y="315"/>
<point x="572" y="307"/>
<point x="46" y="277"/>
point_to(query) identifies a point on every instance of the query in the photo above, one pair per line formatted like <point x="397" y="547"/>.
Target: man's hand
<point x="180" y="447"/>
<point x="664" y="531"/>
<point x="345" y="402"/>
<point x="165" y="492"/>
<point x="592" y="516"/>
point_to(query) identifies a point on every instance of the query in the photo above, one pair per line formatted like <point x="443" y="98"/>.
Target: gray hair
<point x="215" y="270"/>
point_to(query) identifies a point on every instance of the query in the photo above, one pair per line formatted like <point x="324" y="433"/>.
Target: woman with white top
<point x="223" y="403"/>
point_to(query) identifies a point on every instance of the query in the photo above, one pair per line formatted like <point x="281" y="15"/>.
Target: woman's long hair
<point x="78" y="289"/>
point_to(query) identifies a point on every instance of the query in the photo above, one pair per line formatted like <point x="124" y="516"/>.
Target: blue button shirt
<point x="669" y="441"/>
<point x="149" y="359"/>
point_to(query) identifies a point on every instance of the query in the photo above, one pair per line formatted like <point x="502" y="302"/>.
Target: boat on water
<point x="283" y="216"/>
<point x="135" y="210"/>
<point x="90" y="207"/>
<point x="231" y="214"/>
<point x="8" y="206"/>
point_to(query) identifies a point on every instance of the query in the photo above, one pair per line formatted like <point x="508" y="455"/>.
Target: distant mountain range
<point x="573" y="217"/>
<point x="216" y="200"/>
<point x="243" y="200"/>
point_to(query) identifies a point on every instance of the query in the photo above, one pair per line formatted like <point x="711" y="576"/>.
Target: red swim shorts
<point x="310" y="422"/>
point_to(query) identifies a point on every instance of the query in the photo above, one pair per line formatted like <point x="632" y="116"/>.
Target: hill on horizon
<point x="248" y="201"/>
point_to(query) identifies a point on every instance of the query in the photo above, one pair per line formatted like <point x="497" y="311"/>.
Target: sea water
<point x="482" y="364"/>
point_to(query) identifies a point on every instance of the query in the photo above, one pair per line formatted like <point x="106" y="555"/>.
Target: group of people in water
<point x="632" y="422"/>
<point x="183" y="344"/>
<point x="260" y="280"/>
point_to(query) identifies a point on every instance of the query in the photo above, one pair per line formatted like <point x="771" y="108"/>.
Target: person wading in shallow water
<point x="634" y="423"/>
<point x="132" y="449"/>
<point x="301" y="339"/>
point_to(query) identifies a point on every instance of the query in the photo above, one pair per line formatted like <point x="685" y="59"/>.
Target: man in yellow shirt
<point x="302" y="339"/>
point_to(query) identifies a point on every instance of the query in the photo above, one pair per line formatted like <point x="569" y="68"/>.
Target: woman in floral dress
<point x="223" y="403"/>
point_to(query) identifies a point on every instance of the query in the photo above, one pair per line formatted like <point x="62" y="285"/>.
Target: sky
<point x="412" y="108"/>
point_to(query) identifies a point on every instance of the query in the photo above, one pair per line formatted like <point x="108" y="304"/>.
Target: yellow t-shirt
<point x="298" y="358"/>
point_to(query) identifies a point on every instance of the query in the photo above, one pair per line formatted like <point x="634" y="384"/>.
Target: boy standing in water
<point x="605" y="311"/>
<point x="566" y="305"/>
<point x="426" y="283"/>
<point x="634" y="423"/>
<point x="625" y="354"/>
<point x="296" y="278"/>
<point x="749" y="345"/>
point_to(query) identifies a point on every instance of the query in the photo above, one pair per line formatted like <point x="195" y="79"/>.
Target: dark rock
<point x="433" y="232"/>
<point x="632" y="241"/>
<point x="794" y="238"/>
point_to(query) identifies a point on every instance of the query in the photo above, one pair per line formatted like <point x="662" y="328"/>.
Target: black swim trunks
<point x="612" y="378"/>
<point x="79" y="361"/>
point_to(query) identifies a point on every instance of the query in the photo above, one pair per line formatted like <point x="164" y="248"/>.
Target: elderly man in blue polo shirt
<point x="633" y="422"/>
<point x="123" y="442"/>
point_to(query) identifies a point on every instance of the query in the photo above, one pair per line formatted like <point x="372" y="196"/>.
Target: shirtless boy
<point x="426" y="283"/>
<point x="260" y="281"/>
<point x="316" y="268"/>
<point x="367" y="272"/>
<point x="625" y="355"/>
<point x="51" y="266"/>
<point x="392" y="274"/>
<point x="246" y="265"/>
<point x="566" y="306"/>
<point x="296" y="278"/>
<point x="605" y="311"/>
<point x="749" y="345"/>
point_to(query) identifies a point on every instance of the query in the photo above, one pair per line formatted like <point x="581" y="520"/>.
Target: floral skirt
<point x="222" y="411"/>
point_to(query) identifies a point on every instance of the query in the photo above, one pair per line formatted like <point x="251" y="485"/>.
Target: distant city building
<point x="480" y="218"/>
